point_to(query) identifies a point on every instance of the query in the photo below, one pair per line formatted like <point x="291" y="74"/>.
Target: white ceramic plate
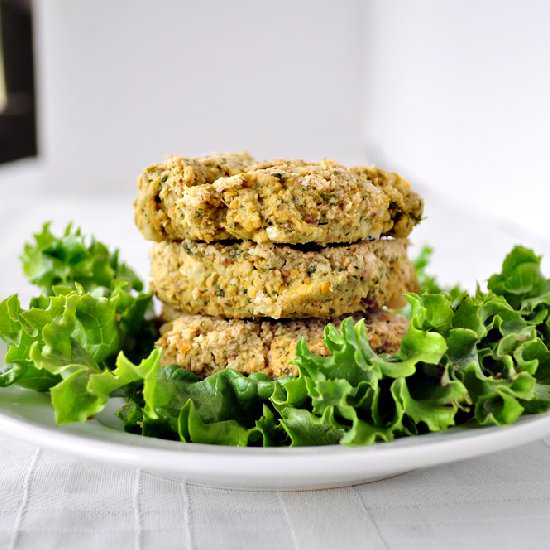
<point x="28" y="416"/>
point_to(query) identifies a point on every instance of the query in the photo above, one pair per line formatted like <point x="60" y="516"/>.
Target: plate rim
<point x="96" y="441"/>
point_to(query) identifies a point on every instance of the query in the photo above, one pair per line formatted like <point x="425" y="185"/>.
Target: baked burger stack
<point x="248" y="257"/>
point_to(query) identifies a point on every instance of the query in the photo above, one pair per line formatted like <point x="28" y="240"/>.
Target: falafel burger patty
<point x="250" y="280"/>
<point x="205" y="345"/>
<point x="225" y="197"/>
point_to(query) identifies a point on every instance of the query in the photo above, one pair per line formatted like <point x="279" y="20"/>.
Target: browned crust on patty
<point x="205" y="345"/>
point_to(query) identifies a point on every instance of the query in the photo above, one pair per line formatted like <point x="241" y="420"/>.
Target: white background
<point x="126" y="82"/>
<point x="454" y="94"/>
<point x="460" y="101"/>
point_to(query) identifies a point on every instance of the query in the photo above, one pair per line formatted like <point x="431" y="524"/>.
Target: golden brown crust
<point x="283" y="201"/>
<point x="249" y="280"/>
<point x="205" y="344"/>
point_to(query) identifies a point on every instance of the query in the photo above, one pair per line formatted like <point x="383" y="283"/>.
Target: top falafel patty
<point x="223" y="197"/>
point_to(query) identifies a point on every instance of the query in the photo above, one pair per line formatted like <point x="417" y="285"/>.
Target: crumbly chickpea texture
<point x="233" y="196"/>
<point x="205" y="345"/>
<point x="250" y="280"/>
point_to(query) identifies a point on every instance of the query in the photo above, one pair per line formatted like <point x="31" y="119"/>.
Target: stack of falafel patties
<point x="250" y="256"/>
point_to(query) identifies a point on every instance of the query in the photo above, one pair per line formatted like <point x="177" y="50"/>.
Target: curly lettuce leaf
<point x="85" y="392"/>
<point x="89" y="326"/>
<point x="73" y="344"/>
<point x="224" y="399"/>
<point x="522" y="284"/>
<point x="51" y="261"/>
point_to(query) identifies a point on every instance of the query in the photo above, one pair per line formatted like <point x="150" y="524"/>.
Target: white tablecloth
<point x="52" y="501"/>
